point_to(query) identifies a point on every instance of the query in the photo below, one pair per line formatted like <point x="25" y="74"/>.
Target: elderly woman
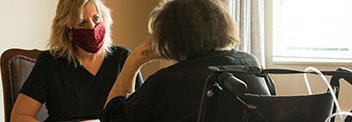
<point x="74" y="77"/>
<point x="194" y="33"/>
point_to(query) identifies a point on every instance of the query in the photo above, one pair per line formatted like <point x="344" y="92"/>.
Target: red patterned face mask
<point x="91" y="40"/>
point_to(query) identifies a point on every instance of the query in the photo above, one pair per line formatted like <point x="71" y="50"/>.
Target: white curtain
<point x="249" y="15"/>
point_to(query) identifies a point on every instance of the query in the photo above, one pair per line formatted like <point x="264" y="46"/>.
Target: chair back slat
<point x="16" y="65"/>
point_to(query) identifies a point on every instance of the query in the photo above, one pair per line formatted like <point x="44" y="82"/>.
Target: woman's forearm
<point x="23" y="118"/>
<point x="25" y="109"/>
<point x="125" y="82"/>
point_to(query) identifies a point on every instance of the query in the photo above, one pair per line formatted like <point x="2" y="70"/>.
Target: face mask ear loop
<point x="329" y="87"/>
<point x="307" y="82"/>
<point x="338" y="113"/>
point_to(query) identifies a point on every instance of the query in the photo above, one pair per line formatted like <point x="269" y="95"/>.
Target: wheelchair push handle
<point x="232" y="85"/>
<point x="348" y="76"/>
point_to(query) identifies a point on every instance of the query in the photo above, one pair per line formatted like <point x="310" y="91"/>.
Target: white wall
<point x="24" y="24"/>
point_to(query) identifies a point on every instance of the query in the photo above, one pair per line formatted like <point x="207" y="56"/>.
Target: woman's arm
<point x="25" y="109"/>
<point x="125" y="82"/>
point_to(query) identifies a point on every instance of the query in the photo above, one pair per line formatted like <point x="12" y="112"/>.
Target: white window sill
<point x="310" y="61"/>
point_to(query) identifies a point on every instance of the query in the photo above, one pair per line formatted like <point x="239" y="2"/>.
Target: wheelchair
<point x="225" y="97"/>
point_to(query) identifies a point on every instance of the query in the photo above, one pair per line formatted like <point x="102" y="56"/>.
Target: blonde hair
<point x="68" y="14"/>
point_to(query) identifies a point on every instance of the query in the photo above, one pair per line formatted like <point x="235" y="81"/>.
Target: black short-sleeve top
<point x="71" y="92"/>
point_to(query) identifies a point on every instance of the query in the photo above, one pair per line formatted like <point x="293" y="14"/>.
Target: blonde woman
<point x="75" y="76"/>
<point x="194" y="33"/>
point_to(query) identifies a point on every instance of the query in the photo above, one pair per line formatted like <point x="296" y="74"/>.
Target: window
<point x="312" y="31"/>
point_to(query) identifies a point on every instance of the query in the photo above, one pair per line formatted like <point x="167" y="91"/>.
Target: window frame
<point x="270" y="37"/>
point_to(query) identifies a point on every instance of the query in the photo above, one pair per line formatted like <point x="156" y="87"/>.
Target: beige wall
<point x="24" y="24"/>
<point x="130" y="25"/>
<point x="294" y="84"/>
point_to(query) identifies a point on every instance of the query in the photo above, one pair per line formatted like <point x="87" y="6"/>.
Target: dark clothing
<point x="173" y="94"/>
<point x="71" y="92"/>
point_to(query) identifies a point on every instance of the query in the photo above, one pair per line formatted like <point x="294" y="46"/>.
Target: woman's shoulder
<point x="47" y="59"/>
<point x="244" y="57"/>
<point x="45" y="56"/>
<point x="120" y="49"/>
<point x="158" y="75"/>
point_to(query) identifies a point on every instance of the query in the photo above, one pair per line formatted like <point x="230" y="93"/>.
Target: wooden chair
<point x="16" y="65"/>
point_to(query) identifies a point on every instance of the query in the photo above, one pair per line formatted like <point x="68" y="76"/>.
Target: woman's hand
<point x="143" y="53"/>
